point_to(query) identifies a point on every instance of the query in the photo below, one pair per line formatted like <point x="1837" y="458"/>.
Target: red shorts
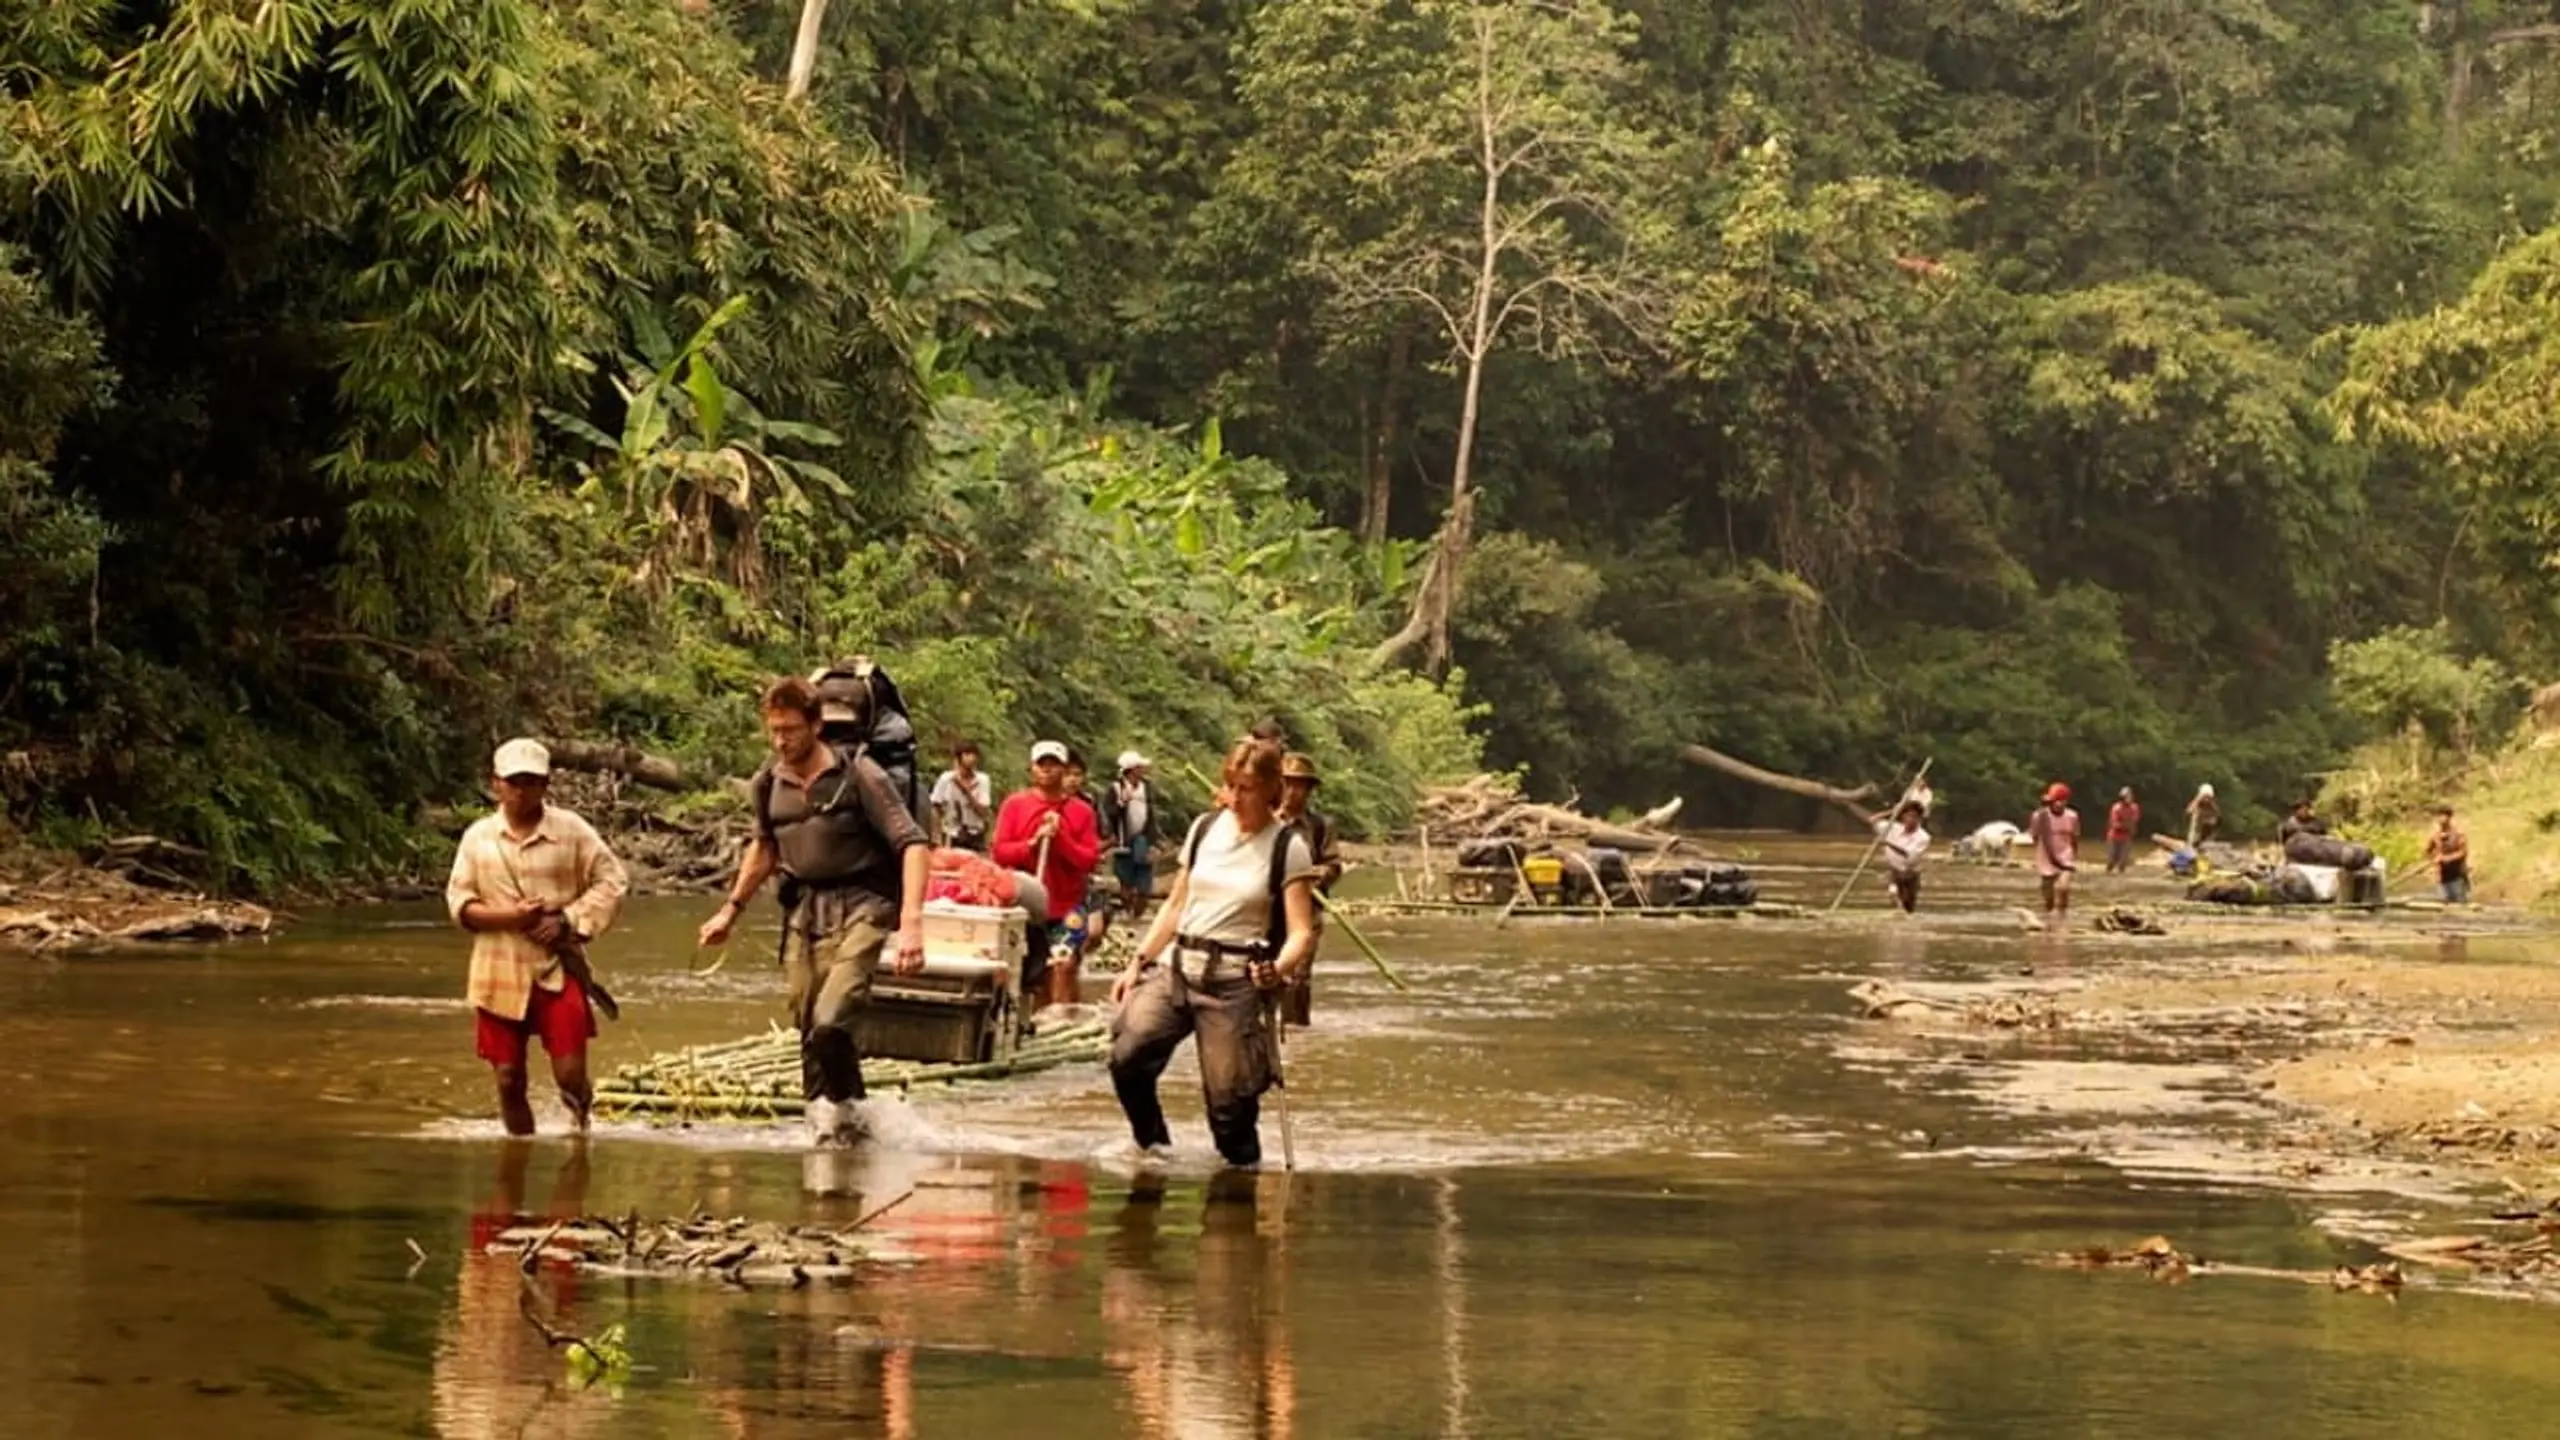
<point x="561" y="1017"/>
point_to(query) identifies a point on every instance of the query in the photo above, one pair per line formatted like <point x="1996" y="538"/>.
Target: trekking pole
<point x="1280" y="1080"/>
<point x="1878" y="842"/>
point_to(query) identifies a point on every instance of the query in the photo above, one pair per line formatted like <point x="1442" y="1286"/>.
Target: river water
<point x="1622" y="1180"/>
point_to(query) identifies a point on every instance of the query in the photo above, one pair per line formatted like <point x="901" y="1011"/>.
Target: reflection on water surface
<point x="1584" y="1182"/>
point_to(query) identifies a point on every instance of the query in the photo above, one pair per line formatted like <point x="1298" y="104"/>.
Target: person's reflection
<point x="1210" y="1355"/>
<point x="821" y="1359"/>
<point x="1903" y="952"/>
<point x="817" y="1365"/>
<point x="494" y="1374"/>
<point x="2049" y="951"/>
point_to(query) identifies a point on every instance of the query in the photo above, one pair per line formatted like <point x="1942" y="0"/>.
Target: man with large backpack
<point x="854" y="864"/>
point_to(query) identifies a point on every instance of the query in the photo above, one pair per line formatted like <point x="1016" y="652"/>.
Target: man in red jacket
<point x="1048" y="830"/>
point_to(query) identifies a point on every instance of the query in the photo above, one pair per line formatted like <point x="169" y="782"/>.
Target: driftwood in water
<point x="2163" y="1261"/>
<point x="1858" y="802"/>
<point x="43" y="929"/>
<point x="629" y="762"/>
<point x="735" y="1251"/>
<point x="80" y="906"/>
<point x="1556" y="820"/>
<point x="150" y="860"/>
<point x="1489" y="807"/>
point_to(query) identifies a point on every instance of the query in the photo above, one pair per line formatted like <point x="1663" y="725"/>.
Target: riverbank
<point x="2342" y="1057"/>
<point x="2508" y="803"/>
<point x="58" y="902"/>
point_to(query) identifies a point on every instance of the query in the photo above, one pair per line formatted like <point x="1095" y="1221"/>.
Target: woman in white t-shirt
<point x="1238" y="929"/>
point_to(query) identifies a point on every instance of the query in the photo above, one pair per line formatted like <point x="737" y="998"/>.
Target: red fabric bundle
<point x="966" y="877"/>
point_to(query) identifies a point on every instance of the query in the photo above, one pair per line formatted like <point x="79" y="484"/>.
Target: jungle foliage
<point x="2051" y="389"/>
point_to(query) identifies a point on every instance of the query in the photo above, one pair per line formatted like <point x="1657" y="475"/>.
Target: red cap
<point x="2056" y="791"/>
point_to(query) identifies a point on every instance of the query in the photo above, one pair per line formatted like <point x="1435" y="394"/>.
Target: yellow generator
<point x="1545" y="874"/>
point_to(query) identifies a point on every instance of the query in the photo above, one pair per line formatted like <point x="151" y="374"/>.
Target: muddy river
<point x="1626" y="1180"/>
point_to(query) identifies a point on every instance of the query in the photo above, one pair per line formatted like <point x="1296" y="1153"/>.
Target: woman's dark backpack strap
<point x="1191" y="844"/>
<point x="1275" y="928"/>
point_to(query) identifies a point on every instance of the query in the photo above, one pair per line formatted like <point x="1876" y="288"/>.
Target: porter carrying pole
<point x="1879" y="840"/>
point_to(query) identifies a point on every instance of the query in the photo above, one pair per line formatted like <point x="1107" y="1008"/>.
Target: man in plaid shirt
<point x="530" y="883"/>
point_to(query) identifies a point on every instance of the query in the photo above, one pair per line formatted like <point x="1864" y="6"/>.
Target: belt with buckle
<point x="1215" y="950"/>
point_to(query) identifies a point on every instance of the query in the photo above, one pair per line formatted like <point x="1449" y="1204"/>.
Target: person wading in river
<point x="2449" y="850"/>
<point x="533" y="883"/>
<point x="1905" y="842"/>
<point x="854" y="863"/>
<point x="1053" y="833"/>
<point x="2055" y="833"/>
<point x="2124" y="819"/>
<point x="963" y="801"/>
<point x="2204" y="816"/>
<point x="1298" y="782"/>
<point x="1239" y="927"/>
<point x="1133" y="826"/>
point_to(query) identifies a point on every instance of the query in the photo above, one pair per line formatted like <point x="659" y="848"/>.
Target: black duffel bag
<point x="2305" y="848"/>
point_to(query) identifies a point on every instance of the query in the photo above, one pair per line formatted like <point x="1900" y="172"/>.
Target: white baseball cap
<point x="1132" y="760"/>
<point x="521" y="757"/>
<point x="1049" y="750"/>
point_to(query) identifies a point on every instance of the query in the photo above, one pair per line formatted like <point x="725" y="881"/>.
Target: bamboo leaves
<point x="694" y="463"/>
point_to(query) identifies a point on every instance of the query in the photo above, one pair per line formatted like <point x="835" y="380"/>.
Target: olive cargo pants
<point x="830" y="976"/>
<point x="1226" y="1014"/>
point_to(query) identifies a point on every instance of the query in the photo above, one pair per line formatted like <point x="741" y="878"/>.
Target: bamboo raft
<point x="759" y="1077"/>
<point x="1766" y="910"/>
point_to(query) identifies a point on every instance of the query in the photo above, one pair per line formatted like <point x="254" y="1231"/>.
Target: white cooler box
<point x="966" y="1008"/>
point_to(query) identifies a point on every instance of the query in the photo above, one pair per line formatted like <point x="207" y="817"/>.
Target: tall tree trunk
<point x="1386" y="436"/>
<point x="1437" y="599"/>
<point x="2457" y="94"/>
<point x="1460" y="530"/>
<point x="804" y="49"/>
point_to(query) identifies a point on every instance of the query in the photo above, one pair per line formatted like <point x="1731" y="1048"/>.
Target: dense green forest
<point x="2052" y="387"/>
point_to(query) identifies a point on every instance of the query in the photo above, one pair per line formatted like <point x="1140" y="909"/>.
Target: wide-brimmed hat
<point x="521" y="757"/>
<point x="1131" y="760"/>
<point x="1299" y="766"/>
